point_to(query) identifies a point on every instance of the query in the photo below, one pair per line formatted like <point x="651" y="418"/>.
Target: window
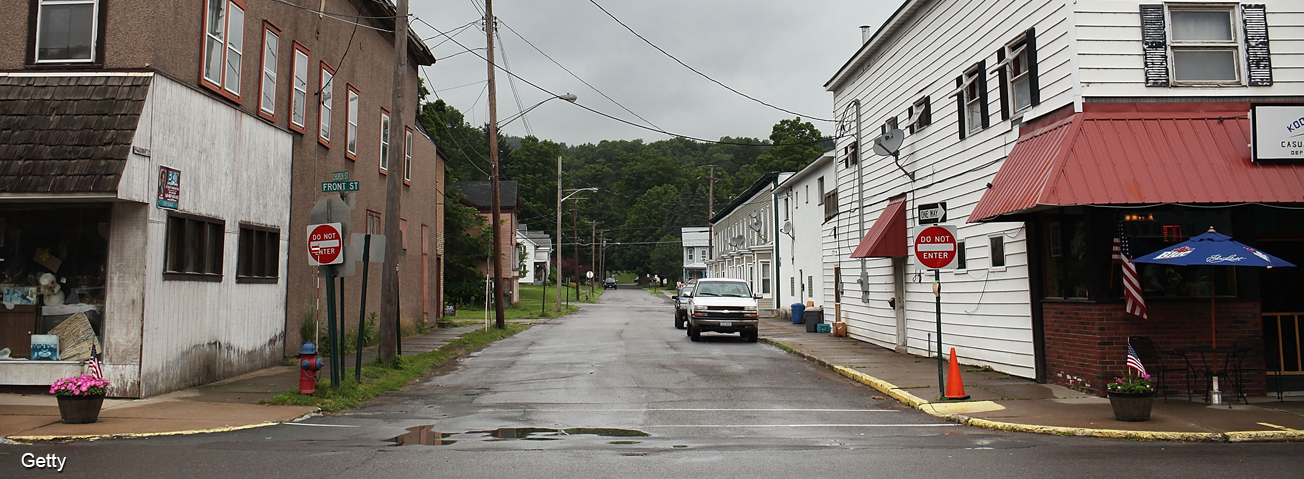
<point x="808" y="193"/>
<point x="765" y="278"/>
<point x="223" y="46"/>
<point x="351" y="133"/>
<point x="850" y="155"/>
<point x="407" y="158"/>
<point x="819" y="185"/>
<point x="1201" y="44"/>
<point x="830" y="204"/>
<point x="810" y="286"/>
<point x="384" y="141"/>
<point x="299" y="100"/>
<point x="260" y="254"/>
<point x="267" y="89"/>
<point x="194" y="248"/>
<point x="961" y="257"/>
<point x="67" y="31"/>
<point x="1017" y="72"/>
<point x="889" y="125"/>
<point x="690" y="255"/>
<point x="971" y="96"/>
<point x="327" y="100"/>
<point x="373" y="223"/>
<point x="785" y="209"/>
<point x="998" y="251"/>
<point x="792" y="286"/>
<point x="921" y="115"/>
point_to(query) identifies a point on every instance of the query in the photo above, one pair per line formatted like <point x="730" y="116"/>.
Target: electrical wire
<point x="703" y="75"/>
<point x="511" y="82"/>
<point x="340" y="18"/>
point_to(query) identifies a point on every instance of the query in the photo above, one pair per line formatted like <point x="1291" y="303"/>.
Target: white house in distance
<point x="800" y="200"/>
<point x="534" y="252"/>
<point x="742" y="235"/>
<point x="696" y="242"/>
<point x="1046" y="129"/>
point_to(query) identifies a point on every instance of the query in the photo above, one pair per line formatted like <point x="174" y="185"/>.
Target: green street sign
<point x="340" y="176"/>
<point x="337" y="186"/>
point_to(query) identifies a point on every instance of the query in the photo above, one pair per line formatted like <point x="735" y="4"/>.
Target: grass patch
<point x="534" y="304"/>
<point x="984" y="369"/>
<point x="379" y="379"/>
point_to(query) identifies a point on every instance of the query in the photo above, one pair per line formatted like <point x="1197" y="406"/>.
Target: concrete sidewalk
<point x="999" y="401"/>
<point x="226" y="405"/>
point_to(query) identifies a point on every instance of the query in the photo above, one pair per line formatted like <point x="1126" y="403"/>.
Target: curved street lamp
<point x="568" y="97"/>
<point x="557" y="250"/>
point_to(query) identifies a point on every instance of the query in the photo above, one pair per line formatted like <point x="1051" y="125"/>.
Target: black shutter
<point x="1154" y="40"/>
<point x="959" y="104"/>
<point x="1030" y="46"/>
<point x="1258" y="60"/>
<point x="910" y="113"/>
<point x="1003" y="80"/>
<point x="927" y="117"/>
<point x="981" y="70"/>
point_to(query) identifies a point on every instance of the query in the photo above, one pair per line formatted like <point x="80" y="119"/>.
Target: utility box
<point x="813" y="317"/>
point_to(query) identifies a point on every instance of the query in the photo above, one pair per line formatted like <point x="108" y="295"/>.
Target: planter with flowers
<point x="1131" y="397"/>
<point x="80" y="398"/>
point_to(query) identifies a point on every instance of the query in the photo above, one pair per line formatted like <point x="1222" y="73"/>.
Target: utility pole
<point x="593" y="236"/>
<point x="500" y="319"/>
<point x="710" y="210"/>
<point x="557" y="250"/>
<point x="390" y="327"/>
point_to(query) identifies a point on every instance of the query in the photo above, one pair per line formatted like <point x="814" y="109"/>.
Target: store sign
<point x="1278" y="132"/>
<point x="169" y="187"/>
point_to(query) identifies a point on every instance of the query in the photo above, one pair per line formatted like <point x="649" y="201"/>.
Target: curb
<point x="1290" y="435"/>
<point x="95" y="437"/>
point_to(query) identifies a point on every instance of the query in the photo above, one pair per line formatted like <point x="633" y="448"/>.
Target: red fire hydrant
<point x="308" y="367"/>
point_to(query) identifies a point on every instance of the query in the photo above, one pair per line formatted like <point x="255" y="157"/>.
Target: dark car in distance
<point x="609" y="283"/>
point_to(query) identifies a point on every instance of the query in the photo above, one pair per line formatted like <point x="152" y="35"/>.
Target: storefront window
<point x="1151" y="230"/>
<point x="1065" y="257"/>
<point x="52" y="274"/>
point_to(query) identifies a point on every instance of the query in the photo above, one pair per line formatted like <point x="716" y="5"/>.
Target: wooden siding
<point x="733" y="261"/>
<point x="234" y="167"/>
<point x="1110" y="53"/>
<point x="799" y="253"/>
<point x="986" y="311"/>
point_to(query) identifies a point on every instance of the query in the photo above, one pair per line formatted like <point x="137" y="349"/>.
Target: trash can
<point x="813" y="318"/>
<point x="797" y="310"/>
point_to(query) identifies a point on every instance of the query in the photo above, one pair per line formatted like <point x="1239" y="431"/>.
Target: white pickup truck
<point x="722" y="305"/>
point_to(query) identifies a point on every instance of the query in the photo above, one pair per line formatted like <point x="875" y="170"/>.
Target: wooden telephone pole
<point x="390" y="324"/>
<point x="500" y="319"/>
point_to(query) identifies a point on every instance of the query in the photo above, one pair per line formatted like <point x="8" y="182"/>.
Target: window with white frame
<point x="351" y="132"/>
<point x="407" y="157"/>
<point x="67" y="30"/>
<point x="384" y="140"/>
<point x="1204" y="44"/>
<point x="690" y="254"/>
<point x="327" y="100"/>
<point x="1017" y="72"/>
<point x="223" y="45"/>
<point x="961" y="256"/>
<point x="920" y="115"/>
<point x="299" y="100"/>
<point x="972" y="98"/>
<point x="998" y="251"/>
<point x="765" y="278"/>
<point x="820" y="187"/>
<point x="271" y="48"/>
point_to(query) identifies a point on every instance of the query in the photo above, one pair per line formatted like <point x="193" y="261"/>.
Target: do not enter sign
<point x="935" y="246"/>
<point x="325" y="244"/>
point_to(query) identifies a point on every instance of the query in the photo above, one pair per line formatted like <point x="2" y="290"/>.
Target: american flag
<point x="94" y="363"/>
<point x="1122" y="255"/>
<point x="1134" y="361"/>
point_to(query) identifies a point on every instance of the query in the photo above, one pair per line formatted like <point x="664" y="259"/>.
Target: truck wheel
<point x="694" y="334"/>
<point x="679" y="321"/>
<point x="751" y="336"/>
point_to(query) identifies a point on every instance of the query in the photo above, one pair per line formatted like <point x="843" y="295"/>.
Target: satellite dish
<point x="888" y="143"/>
<point x="787" y="227"/>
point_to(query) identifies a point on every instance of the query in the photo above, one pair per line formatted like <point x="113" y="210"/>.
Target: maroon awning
<point x="888" y="236"/>
<point x="1137" y="158"/>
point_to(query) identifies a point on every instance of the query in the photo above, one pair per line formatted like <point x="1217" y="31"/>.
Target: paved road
<point x="574" y="398"/>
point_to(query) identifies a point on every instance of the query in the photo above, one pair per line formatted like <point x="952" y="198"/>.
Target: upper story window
<point x="67" y="31"/>
<point x="351" y="134"/>
<point x="223" y="46"/>
<point x="971" y="96"/>
<point x="1017" y="72"/>
<point x="1191" y="44"/>
<point x="407" y="158"/>
<point x="299" y="96"/>
<point x="690" y="254"/>
<point x="271" y="52"/>
<point x="384" y="141"/>
<point x="920" y="115"/>
<point x="327" y="100"/>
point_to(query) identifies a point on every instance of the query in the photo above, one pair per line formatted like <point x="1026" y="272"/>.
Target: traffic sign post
<point x="935" y="247"/>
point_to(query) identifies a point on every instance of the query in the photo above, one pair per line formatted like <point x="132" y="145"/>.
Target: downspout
<point x="860" y="205"/>
<point x="774" y="256"/>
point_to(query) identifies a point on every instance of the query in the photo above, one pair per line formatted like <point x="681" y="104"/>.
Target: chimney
<point x="866" y="32"/>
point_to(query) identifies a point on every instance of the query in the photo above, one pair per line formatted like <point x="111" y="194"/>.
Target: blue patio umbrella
<point x="1213" y="249"/>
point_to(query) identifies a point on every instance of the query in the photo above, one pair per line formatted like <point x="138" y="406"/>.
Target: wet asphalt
<point x="616" y="391"/>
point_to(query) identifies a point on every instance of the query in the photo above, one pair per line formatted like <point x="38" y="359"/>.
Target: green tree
<point x="466" y="244"/>
<point x="796" y="144"/>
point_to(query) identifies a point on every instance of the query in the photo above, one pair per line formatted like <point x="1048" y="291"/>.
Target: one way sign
<point x="932" y="213"/>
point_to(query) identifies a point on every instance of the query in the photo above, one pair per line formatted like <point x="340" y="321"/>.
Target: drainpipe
<point x="774" y="256"/>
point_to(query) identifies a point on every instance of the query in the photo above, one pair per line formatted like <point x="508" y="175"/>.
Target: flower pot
<point x="1132" y="406"/>
<point x="80" y="409"/>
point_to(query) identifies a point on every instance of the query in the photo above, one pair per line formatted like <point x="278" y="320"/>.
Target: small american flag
<point x="94" y="363"/>
<point x="1134" y="361"/>
<point x="1122" y="255"/>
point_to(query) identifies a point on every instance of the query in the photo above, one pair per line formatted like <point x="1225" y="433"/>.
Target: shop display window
<point x="194" y="248"/>
<point x="260" y="249"/>
<point x="1151" y="230"/>
<point x="52" y="277"/>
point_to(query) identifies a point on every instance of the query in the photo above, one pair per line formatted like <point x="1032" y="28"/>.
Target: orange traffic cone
<point x="954" y="386"/>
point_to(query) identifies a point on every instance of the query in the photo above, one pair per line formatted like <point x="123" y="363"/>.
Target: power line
<point x="694" y="70"/>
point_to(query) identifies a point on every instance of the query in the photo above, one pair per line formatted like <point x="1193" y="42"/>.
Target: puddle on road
<point x="427" y="436"/>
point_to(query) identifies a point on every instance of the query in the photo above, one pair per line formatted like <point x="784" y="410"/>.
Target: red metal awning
<point x="1129" y="158"/>
<point x="888" y="236"/>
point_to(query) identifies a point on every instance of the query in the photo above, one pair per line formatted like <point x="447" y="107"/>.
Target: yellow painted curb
<point x="1110" y="433"/>
<point x="1257" y="436"/>
<point x="968" y="407"/>
<point x="882" y="386"/>
<point x="93" y="437"/>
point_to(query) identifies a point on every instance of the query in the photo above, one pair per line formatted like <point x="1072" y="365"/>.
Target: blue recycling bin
<point x="798" y="311"/>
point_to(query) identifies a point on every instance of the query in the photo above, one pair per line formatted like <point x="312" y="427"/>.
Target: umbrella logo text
<point x="1224" y="259"/>
<point x="1177" y="253"/>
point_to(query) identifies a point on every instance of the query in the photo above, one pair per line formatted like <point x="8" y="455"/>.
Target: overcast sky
<point x="779" y="51"/>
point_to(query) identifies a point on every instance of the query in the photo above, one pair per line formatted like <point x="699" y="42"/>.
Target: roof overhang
<point x="887" y="238"/>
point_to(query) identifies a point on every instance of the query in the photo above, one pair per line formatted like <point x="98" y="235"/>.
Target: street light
<point x="558" y="249"/>
<point x="568" y="97"/>
<point x="496" y="218"/>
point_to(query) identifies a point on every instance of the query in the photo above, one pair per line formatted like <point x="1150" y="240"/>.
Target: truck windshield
<point x="738" y="290"/>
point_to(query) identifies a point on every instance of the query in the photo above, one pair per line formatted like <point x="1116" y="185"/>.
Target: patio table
<point x="1209" y="366"/>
